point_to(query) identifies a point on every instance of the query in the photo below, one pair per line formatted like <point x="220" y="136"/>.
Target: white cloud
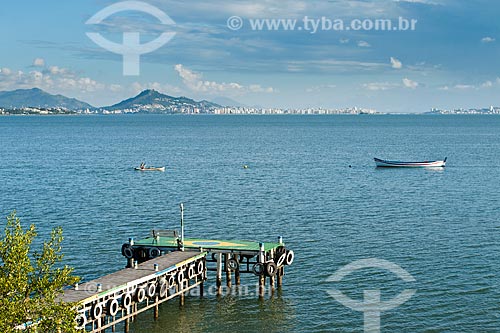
<point x="53" y="79"/>
<point x="487" y="84"/>
<point x="344" y="40"/>
<point x="376" y="86"/>
<point x="426" y="2"/>
<point x="5" y="71"/>
<point x="39" y="62"/>
<point x="409" y="83"/>
<point x="396" y="63"/>
<point x="464" y="86"/>
<point x="55" y="70"/>
<point x="363" y="43"/>
<point x="59" y="80"/>
<point x="194" y="81"/>
<point x="487" y="40"/>
<point x="320" y="88"/>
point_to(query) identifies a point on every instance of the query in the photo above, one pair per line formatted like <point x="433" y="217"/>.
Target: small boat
<point x="401" y="164"/>
<point x="150" y="169"/>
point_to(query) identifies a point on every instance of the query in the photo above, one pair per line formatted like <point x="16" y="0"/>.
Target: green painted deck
<point x="207" y="244"/>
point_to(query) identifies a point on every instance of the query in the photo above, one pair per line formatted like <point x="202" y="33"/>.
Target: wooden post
<point x="126" y="328"/>
<point x="262" y="285"/>
<point x="272" y="279"/>
<point x="156" y="311"/>
<point x="228" y="270"/>
<point x="237" y="278"/>
<point x="218" y="281"/>
<point x="181" y="295"/>
<point x="281" y="272"/>
<point x="202" y="289"/>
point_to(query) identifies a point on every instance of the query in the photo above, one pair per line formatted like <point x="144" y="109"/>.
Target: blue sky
<point x="450" y="60"/>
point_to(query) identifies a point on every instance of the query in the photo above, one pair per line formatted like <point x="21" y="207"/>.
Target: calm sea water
<point x="442" y="226"/>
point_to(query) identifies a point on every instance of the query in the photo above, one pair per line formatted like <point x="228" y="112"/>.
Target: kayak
<point x="150" y="169"/>
<point x="401" y="164"/>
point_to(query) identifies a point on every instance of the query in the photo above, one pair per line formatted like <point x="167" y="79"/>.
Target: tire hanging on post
<point x="171" y="281"/>
<point x="113" y="307"/>
<point x="258" y="269"/>
<point x="200" y="267"/>
<point x="154" y="252"/>
<point x="140" y="295"/>
<point x="162" y="290"/>
<point x="81" y="321"/>
<point x="280" y="261"/>
<point x="151" y="290"/>
<point x="290" y="255"/>
<point x="191" y="272"/>
<point x="271" y="269"/>
<point x="233" y="264"/>
<point x="127" y="251"/>
<point x="97" y="311"/>
<point x="126" y="300"/>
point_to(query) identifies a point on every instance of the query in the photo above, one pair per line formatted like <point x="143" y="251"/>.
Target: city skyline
<point x="449" y="60"/>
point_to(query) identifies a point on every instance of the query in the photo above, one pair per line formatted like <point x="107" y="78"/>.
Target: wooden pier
<point x="121" y="296"/>
<point x="224" y="256"/>
<point x="165" y="265"/>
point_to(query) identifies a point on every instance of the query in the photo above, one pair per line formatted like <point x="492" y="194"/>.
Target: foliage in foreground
<point x="31" y="281"/>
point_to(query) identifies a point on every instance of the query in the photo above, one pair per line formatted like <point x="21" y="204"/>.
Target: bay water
<point x="310" y="179"/>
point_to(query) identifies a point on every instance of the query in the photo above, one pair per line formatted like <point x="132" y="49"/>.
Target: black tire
<point x="151" y="290"/>
<point x="140" y="295"/>
<point x="271" y="269"/>
<point x="191" y="272"/>
<point x="154" y="252"/>
<point x="127" y="251"/>
<point x="81" y="321"/>
<point x="97" y="311"/>
<point x="180" y="277"/>
<point x="200" y="267"/>
<point x="126" y="300"/>
<point x="289" y="257"/>
<point x="233" y="264"/>
<point x="258" y="269"/>
<point x="171" y="281"/>
<point x="280" y="261"/>
<point x="113" y="307"/>
<point x="162" y="290"/>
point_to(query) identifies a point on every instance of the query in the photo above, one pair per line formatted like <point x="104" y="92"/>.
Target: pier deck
<point x="104" y="302"/>
<point x="87" y="292"/>
<point x="207" y="244"/>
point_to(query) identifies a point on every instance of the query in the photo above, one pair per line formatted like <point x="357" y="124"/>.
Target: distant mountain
<point x="224" y="101"/>
<point x="38" y="98"/>
<point x="151" y="101"/>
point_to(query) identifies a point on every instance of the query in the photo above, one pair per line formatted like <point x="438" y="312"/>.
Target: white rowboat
<point x="401" y="164"/>
<point x="150" y="169"/>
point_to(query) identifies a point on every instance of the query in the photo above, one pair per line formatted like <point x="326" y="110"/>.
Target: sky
<point x="451" y="59"/>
